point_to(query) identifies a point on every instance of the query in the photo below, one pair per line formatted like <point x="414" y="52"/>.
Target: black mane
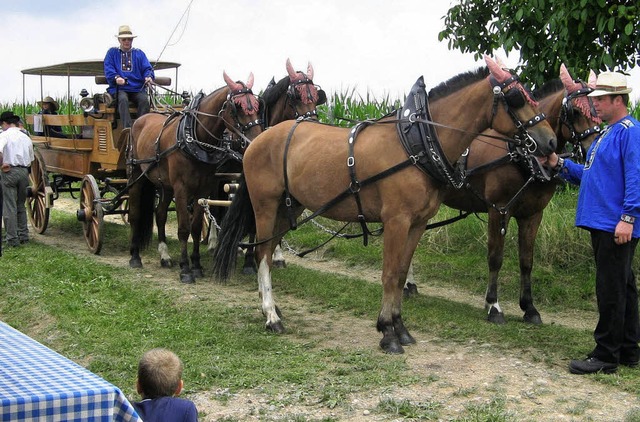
<point x="271" y="94"/>
<point x="457" y="83"/>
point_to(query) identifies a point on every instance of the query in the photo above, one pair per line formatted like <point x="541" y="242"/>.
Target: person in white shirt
<point x="16" y="155"/>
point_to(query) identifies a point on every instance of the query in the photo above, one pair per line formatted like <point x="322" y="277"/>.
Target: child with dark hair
<point x="159" y="382"/>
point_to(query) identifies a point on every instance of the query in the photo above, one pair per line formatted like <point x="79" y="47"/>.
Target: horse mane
<point x="458" y="82"/>
<point x="549" y="88"/>
<point x="272" y="94"/>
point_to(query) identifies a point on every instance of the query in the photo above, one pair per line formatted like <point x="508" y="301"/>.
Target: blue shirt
<point x="167" y="409"/>
<point x="132" y="66"/>
<point x="610" y="178"/>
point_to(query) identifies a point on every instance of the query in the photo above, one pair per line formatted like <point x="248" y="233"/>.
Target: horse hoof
<point x="135" y="263"/>
<point x="187" y="279"/>
<point x="166" y="263"/>
<point x="532" y="318"/>
<point x="249" y="271"/>
<point x="410" y="290"/>
<point x="391" y="347"/>
<point x="279" y="264"/>
<point x="277" y="327"/>
<point x="496" y="316"/>
<point x="406" y="339"/>
<point x="197" y="273"/>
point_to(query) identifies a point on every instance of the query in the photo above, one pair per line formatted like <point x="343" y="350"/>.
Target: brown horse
<point x="501" y="185"/>
<point x="295" y="96"/>
<point x="180" y="156"/>
<point x="365" y="175"/>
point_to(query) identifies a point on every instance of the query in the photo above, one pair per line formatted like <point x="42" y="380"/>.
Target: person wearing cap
<point x="128" y="71"/>
<point x="50" y="106"/>
<point x="609" y="208"/>
<point x="16" y="155"/>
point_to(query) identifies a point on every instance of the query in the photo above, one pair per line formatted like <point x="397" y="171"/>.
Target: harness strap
<point x="355" y="184"/>
<point x="287" y="195"/>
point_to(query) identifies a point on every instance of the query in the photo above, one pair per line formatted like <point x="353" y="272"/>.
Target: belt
<point x="22" y="167"/>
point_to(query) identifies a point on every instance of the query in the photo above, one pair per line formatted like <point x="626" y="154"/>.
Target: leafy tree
<point x="583" y="34"/>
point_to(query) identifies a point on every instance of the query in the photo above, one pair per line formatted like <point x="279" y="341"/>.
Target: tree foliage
<point x="582" y="34"/>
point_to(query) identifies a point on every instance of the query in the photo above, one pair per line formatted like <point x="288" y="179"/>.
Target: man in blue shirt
<point x="128" y="71"/>
<point x="608" y="206"/>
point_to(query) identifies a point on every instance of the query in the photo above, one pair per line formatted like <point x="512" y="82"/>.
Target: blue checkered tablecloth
<point x="38" y="384"/>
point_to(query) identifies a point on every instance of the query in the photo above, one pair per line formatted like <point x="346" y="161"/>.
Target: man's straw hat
<point x="125" y="32"/>
<point x="51" y="101"/>
<point x="610" y="83"/>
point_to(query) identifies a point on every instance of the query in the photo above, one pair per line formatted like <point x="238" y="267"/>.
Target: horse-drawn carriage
<point x="92" y="152"/>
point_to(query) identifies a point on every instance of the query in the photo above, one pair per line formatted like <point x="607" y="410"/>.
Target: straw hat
<point x="51" y="101"/>
<point x="610" y="83"/>
<point x="125" y="32"/>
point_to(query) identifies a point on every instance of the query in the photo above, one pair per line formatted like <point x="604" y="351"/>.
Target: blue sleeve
<point x="571" y="172"/>
<point x="630" y="145"/>
<point x="111" y="65"/>
<point x="147" y="69"/>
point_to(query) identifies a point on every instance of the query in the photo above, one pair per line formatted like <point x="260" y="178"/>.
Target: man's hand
<point x="5" y="167"/>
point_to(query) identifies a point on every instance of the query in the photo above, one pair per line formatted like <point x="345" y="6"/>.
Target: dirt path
<point x="453" y="375"/>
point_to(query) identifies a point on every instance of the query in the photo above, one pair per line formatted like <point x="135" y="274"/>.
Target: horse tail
<point x="238" y="222"/>
<point x="147" y="211"/>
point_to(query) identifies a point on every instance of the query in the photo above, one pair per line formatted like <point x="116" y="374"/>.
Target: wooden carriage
<point x="92" y="152"/>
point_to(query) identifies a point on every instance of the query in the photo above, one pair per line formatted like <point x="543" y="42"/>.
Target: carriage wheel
<point x="37" y="199"/>
<point x="91" y="213"/>
<point x="123" y="208"/>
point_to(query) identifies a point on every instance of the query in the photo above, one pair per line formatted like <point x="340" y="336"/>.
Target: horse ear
<point x="496" y="70"/>
<point x="592" y="79"/>
<point x="292" y="73"/>
<point x="230" y="83"/>
<point x="250" y="80"/>
<point x="309" y="71"/>
<point x="566" y="79"/>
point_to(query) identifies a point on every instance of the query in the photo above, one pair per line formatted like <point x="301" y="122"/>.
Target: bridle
<point x="510" y="94"/>
<point x="293" y="97"/>
<point x="568" y="112"/>
<point x="243" y="94"/>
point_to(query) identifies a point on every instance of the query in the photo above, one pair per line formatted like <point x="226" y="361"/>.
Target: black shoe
<point x="591" y="366"/>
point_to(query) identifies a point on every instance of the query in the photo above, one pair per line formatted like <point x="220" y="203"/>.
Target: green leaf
<point x="628" y="29"/>
<point x="519" y="14"/>
<point x="611" y="25"/>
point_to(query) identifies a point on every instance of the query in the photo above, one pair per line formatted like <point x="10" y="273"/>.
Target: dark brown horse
<point x="365" y="175"/>
<point x="502" y="186"/>
<point x="180" y="156"/>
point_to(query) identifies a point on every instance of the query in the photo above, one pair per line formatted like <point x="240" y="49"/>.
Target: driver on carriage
<point x="128" y="71"/>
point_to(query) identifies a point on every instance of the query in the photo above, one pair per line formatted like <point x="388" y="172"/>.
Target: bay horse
<point x="301" y="164"/>
<point x="179" y="157"/>
<point x="295" y="96"/>
<point x="499" y="184"/>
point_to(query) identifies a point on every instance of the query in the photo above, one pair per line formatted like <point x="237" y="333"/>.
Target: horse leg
<point x="249" y="266"/>
<point x="162" y="211"/>
<point x="410" y="286"/>
<point x="264" y="255"/>
<point x="495" y="256"/>
<point x="399" y="245"/>
<point x="196" y="233"/>
<point x="278" y="257"/>
<point x="184" y="230"/>
<point x="527" y="232"/>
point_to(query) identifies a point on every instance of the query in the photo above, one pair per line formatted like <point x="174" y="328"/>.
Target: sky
<point x="375" y="48"/>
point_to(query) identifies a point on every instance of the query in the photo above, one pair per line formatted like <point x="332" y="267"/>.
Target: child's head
<point x="159" y="374"/>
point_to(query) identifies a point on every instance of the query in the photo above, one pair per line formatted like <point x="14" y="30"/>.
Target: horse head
<point x="302" y="93"/>
<point x="518" y="116"/>
<point x="241" y="109"/>
<point x="578" y="116"/>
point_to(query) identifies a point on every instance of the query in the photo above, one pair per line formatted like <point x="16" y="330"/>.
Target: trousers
<point x="618" y="330"/>
<point x="141" y="100"/>
<point x="14" y="196"/>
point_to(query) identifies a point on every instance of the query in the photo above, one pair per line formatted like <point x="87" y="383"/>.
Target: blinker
<point x="515" y="98"/>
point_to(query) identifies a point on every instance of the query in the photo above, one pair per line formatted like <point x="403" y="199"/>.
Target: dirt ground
<point x="456" y="376"/>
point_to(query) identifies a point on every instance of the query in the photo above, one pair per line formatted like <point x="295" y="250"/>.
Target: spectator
<point x="608" y="207"/>
<point x="128" y="71"/>
<point x="50" y="106"/>
<point x="16" y="155"/>
<point x="159" y="381"/>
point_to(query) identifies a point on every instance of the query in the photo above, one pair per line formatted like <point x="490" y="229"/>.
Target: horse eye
<point x="515" y="98"/>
